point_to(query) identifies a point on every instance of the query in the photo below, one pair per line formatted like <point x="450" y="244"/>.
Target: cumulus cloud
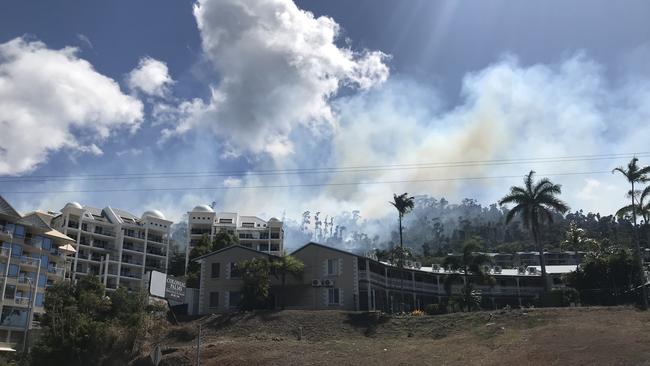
<point x="52" y="100"/>
<point x="150" y="77"/>
<point x="279" y="68"/>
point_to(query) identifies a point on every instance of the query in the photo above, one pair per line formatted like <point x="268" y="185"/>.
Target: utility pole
<point x="198" y="347"/>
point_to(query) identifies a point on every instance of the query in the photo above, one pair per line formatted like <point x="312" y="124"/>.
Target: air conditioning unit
<point x="521" y="270"/>
<point x="435" y="267"/>
<point x="409" y="263"/>
<point x="487" y="268"/>
<point x="328" y="283"/>
<point x="531" y="270"/>
<point x="417" y="265"/>
<point x="497" y="269"/>
<point x="315" y="283"/>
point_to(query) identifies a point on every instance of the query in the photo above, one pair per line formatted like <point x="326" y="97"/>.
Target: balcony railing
<point x="29" y="261"/>
<point x="133" y="248"/>
<point x="155" y="252"/>
<point x="56" y="271"/>
<point x="4" y="252"/>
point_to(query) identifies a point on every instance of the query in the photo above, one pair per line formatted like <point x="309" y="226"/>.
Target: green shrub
<point x="434" y="309"/>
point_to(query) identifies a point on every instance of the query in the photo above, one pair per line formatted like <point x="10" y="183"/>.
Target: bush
<point x="417" y="312"/>
<point x="434" y="309"/>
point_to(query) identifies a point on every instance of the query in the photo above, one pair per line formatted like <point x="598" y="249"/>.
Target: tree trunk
<point x="639" y="254"/>
<point x="401" y="265"/>
<point x="542" y="260"/>
<point x="282" y="291"/>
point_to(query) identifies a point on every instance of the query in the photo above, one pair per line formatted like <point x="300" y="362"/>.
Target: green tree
<point x="607" y="278"/>
<point x="224" y="239"/>
<point x="535" y="203"/>
<point x="176" y="265"/>
<point x="404" y="204"/>
<point x="636" y="175"/>
<point x="576" y="239"/>
<point x="202" y="247"/>
<point x="283" y="266"/>
<point x="256" y="283"/>
<point x="470" y="265"/>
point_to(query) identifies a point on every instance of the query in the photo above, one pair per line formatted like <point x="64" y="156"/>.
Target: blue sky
<point x="161" y="86"/>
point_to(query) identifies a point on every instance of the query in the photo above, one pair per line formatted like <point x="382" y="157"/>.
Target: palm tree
<point x="404" y="204"/>
<point x="576" y="240"/>
<point x="283" y="266"/>
<point x="470" y="263"/>
<point x="642" y="208"/>
<point x="535" y="203"/>
<point x="636" y="175"/>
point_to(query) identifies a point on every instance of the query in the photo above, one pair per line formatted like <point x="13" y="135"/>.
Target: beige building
<point x="114" y="244"/>
<point x="253" y="232"/>
<point x="30" y="261"/>
<point x="336" y="279"/>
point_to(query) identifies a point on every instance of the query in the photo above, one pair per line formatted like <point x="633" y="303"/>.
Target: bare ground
<point x="567" y="336"/>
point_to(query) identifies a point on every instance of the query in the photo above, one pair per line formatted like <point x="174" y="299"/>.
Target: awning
<point x="59" y="235"/>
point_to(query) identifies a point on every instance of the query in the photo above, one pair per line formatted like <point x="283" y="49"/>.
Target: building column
<point x="76" y="255"/>
<point x="413" y="288"/>
<point x="368" y="278"/>
<point x="389" y="301"/>
<point x="518" y="291"/>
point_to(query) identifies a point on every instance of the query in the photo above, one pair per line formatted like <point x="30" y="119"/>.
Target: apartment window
<point x="225" y="221"/>
<point x="216" y="268"/>
<point x="275" y="235"/>
<point x="263" y="247"/>
<point x="234" y="271"/>
<point x="13" y="317"/>
<point x="10" y="292"/>
<point x="46" y="244"/>
<point x="234" y="299"/>
<point x="13" y="270"/>
<point x="16" y="250"/>
<point x="40" y="297"/>
<point x="275" y="247"/>
<point x="333" y="296"/>
<point x="333" y="266"/>
<point x="19" y="231"/>
<point x="214" y="299"/>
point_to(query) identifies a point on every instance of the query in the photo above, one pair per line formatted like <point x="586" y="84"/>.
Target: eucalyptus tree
<point x="576" y="239"/>
<point x="469" y="264"/>
<point x="535" y="204"/>
<point x="636" y="175"/>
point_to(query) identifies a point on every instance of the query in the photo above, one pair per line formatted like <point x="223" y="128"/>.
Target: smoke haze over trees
<point x="438" y="226"/>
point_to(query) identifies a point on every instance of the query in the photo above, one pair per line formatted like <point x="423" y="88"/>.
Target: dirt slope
<point x="578" y="336"/>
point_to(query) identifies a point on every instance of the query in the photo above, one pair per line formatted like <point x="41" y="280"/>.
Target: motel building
<point x="32" y="257"/>
<point x="336" y="279"/>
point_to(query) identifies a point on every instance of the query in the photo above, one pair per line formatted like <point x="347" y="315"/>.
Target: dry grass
<point x="582" y="336"/>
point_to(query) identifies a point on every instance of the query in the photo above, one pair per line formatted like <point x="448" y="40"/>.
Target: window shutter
<point x="340" y="266"/>
<point x="226" y="299"/>
<point x="325" y="294"/>
<point x="341" y="297"/>
<point x="227" y="274"/>
<point x="324" y="268"/>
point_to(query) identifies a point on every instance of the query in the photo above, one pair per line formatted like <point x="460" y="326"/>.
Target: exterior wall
<point x="361" y="283"/>
<point x="225" y="283"/>
<point x="29" y="262"/>
<point x="253" y="232"/>
<point x="304" y="296"/>
<point x="120" y="250"/>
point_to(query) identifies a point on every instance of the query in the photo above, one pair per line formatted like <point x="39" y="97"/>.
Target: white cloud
<point x="279" y="68"/>
<point x="52" y="100"/>
<point x="151" y="77"/>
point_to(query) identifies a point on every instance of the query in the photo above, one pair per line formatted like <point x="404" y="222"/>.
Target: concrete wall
<point x="315" y="258"/>
<point x="224" y="284"/>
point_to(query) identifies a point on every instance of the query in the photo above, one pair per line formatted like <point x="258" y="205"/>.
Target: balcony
<point x="55" y="271"/>
<point x="100" y="231"/>
<point x="5" y="234"/>
<point x="155" y="239"/>
<point x="136" y="235"/>
<point x="155" y="252"/>
<point x="4" y="252"/>
<point x="131" y="275"/>
<point x="26" y="261"/>
<point x="133" y="248"/>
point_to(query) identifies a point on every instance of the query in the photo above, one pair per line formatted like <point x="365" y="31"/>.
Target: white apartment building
<point x="115" y="245"/>
<point x="253" y="232"/>
<point x="30" y="261"/>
